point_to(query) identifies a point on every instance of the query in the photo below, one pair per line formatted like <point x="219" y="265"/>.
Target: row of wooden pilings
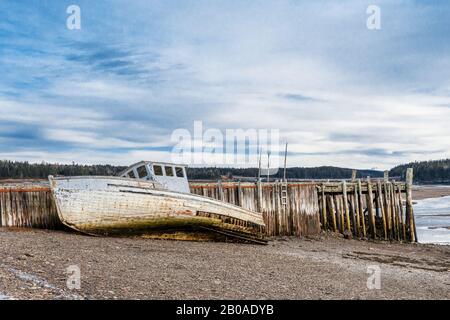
<point x="372" y="209"/>
<point x="288" y="209"/>
<point x="364" y="209"/>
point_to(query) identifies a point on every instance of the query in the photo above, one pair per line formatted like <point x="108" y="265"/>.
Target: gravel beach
<point x="34" y="263"/>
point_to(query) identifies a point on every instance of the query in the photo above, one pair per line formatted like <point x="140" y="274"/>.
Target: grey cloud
<point x="298" y="97"/>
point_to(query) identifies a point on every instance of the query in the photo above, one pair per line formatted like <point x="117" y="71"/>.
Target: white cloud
<point x="372" y="99"/>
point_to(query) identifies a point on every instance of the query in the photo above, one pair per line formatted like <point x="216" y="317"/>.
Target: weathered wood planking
<point x="298" y="217"/>
<point x="28" y="204"/>
<point x="369" y="209"/>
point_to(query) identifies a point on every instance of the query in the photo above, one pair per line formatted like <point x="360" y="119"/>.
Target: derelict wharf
<point x="380" y="209"/>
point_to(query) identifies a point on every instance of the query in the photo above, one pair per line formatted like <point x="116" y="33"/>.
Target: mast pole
<point x="259" y="164"/>
<point x="285" y="158"/>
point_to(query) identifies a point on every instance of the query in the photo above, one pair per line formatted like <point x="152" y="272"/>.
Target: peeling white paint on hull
<point x="109" y="205"/>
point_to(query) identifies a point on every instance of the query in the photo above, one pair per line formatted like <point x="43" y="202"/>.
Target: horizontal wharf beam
<point x="337" y="187"/>
<point x="243" y="185"/>
<point x="330" y="187"/>
<point x="8" y="190"/>
<point x="23" y="181"/>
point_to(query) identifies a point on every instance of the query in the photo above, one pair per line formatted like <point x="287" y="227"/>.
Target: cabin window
<point x="131" y="174"/>
<point x="179" y="171"/>
<point x="169" y="171"/>
<point x="158" y="170"/>
<point x="142" y="172"/>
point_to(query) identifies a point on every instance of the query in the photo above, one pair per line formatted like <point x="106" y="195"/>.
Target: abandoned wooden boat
<point x="145" y="205"/>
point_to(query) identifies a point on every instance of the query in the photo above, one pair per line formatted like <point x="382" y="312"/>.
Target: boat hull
<point x="115" y="206"/>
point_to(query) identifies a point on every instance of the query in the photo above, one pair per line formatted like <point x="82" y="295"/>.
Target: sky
<point x="114" y="91"/>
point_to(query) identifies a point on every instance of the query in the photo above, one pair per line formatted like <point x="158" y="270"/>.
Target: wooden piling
<point x="361" y="207"/>
<point x="373" y="228"/>
<point x="220" y="189"/>
<point x="402" y="220"/>
<point x="259" y="196"/>
<point x="352" y="201"/>
<point x="409" y="206"/>
<point x="387" y="206"/>
<point x="358" y="220"/>
<point x="341" y="213"/>
<point x="346" y="209"/>
<point x="338" y="213"/>
<point x="395" y="219"/>
<point x="240" y="195"/>
<point x="324" y="208"/>
<point x="381" y="205"/>
<point x="333" y="213"/>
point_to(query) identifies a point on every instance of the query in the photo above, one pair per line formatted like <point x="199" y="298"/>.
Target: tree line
<point x="25" y="170"/>
<point x="433" y="171"/>
<point x="324" y="172"/>
<point x="436" y="171"/>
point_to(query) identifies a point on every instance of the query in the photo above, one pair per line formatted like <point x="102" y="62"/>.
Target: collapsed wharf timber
<point x="380" y="209"/>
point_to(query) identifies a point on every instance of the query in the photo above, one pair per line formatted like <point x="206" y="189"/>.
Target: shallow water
<point x="433" y="220"/>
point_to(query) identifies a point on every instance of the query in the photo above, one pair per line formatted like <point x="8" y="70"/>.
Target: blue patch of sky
<point x="123" y="41"/>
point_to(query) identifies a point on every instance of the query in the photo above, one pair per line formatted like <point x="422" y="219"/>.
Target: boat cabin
<point x="170" y="176"/>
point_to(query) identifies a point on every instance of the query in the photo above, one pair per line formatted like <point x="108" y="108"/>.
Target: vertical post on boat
<point x="259" y="163"/>
<point x="258" y="184"/>
<point x="285" y="160"/>
<point x="409" y="206"/>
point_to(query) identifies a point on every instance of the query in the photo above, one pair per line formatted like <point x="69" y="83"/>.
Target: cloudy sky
<point x="115" y="90"/>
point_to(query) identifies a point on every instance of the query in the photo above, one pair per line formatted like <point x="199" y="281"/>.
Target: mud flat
<point x="430" y="191"/>
<point x="33" y="266"/>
